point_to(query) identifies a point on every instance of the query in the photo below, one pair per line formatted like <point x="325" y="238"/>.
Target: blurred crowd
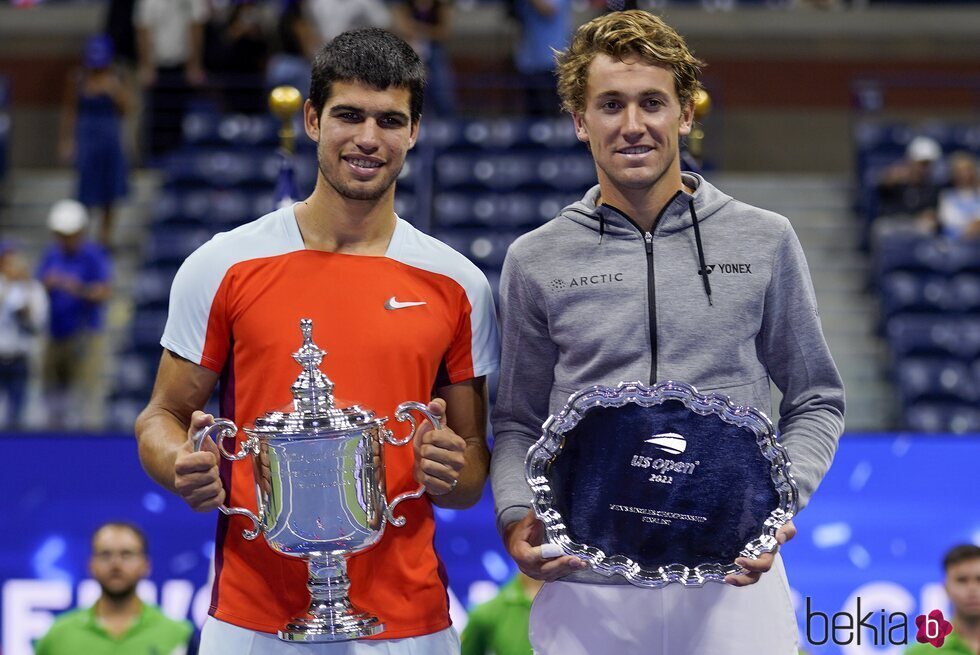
<point x="52" y="337"/>
<point x="930" y="192"/>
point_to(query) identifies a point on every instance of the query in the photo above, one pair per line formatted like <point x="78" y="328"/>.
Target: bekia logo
<point x="559" y="284"/>
<point x="933" y="629"/>
<point x="669" y="442"/>
<point x="874" y="627"/>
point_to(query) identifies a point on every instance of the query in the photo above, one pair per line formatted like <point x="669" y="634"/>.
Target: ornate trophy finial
<point x="285" y="101"/>
<point x="313" y="390"/>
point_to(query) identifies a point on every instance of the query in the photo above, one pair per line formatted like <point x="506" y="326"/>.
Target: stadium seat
<point x="935" y="379"/>
<point x="926" y="334"/>
<point x="904" y="291"/>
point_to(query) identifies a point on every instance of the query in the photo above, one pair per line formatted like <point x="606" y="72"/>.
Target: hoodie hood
<point x="683" y="211"/>
<point x="676" y="216"/>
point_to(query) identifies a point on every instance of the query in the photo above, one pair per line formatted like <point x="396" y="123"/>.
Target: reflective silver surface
<point x="320" y="490"/>
<point x="541" y="456"/>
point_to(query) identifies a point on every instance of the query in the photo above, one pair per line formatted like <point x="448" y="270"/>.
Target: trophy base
<point x="343" y="628"/>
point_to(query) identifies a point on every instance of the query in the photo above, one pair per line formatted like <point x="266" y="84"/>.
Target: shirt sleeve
<point x="799" y="361"/>
<point x="528" y="358"/>
<point x="198" y="327"/>
<point x="475" y="348"/>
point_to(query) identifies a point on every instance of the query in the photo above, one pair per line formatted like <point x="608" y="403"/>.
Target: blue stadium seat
<point x="147" y="327"/>
<point x="964" y="293"/>
<point x="152" y="287"/>
<point x="245" y="130"/>
<point x="568" y="171"/>
<point x="497" y="172"/>
<point x="942" y="417"/>
<point x="964" y="257"/>
<point x="909" y="251"/>
<point x="926" y="334"/>
<point x="935" y="379"/>
<point x="134" y="374"/>
<point x="201" y="129"/>
<point x="170" y="246"/>
<point x="229" y="208"/>
<point x="486" y="249"/>
<point x="904" y="291"/>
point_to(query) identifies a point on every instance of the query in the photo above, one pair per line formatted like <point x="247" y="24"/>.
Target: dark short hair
<point x="372" y="56"/>
<point x="126" y="525"/>
<point x="960" y="553"/>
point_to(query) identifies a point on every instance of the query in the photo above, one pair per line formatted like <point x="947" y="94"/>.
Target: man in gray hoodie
<point x="655" y="275"/>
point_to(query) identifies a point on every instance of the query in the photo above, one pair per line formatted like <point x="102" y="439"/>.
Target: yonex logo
<point x="729" y="269"/>
<point x="391" y="303"/>
<point x="669" y="442"/>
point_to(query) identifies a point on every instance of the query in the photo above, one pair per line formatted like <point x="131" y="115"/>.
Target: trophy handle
<point x="220" y="430"/>
<point x="403" y="413"/>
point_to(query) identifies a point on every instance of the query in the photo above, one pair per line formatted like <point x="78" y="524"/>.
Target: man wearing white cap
<point x="909" y="188"/>
<point x="76" y="272"/>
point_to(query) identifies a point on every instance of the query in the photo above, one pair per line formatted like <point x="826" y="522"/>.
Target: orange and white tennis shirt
<point x="394" y="328"/>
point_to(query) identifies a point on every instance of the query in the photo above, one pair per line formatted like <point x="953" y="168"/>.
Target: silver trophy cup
<point x="320" y="490"/>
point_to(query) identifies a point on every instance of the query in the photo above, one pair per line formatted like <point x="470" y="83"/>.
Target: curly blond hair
<point x="622" y="35"/>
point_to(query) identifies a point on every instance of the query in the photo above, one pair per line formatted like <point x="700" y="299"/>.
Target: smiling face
<point x="363" y="136"/>
<point x="633" y="122"/>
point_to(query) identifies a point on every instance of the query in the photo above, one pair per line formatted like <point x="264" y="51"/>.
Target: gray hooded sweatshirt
<point x="589" y="298"/>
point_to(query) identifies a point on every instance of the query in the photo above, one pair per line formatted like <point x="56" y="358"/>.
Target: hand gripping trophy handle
<point x="220" y="430"/>
<point x="403" y="413"/>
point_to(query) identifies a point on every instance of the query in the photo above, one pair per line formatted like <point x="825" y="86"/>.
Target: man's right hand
<point x="196" y="477"/>
<point x="523" y="540"/>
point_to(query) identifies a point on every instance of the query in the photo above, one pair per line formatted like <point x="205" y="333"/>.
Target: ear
<point x="581" y="131"/>
<point x="687" y="118"/>
<point x="414" y="135"/>
<point x="311" y="122"/>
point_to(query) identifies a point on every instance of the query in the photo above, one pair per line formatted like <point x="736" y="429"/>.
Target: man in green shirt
<point x="499" y="626"/>
<point x="962" y="566"/>
<point x="119" y="623"/>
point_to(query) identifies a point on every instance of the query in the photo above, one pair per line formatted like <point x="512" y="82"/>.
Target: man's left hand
<point x="439" y="454"/>
<point x="754" y="568"/>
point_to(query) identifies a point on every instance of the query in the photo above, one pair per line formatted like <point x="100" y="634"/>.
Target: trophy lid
<point x="313" y="413"/>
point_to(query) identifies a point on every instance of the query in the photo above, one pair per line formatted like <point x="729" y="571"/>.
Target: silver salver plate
<point x="660" y="484"/>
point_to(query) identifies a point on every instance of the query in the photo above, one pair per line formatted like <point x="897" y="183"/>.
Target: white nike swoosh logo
<point x="391" y="303"/>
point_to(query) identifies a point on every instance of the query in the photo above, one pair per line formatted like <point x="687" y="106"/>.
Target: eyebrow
<point x="645" y="92"/>
<point x="391" y="113"/>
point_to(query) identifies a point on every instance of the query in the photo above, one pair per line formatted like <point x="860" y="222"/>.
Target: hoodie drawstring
<point x="602" y="226"/>
<point x="703" y="271"/>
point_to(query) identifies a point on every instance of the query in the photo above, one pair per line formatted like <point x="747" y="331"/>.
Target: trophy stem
<point x="332" y="617"/>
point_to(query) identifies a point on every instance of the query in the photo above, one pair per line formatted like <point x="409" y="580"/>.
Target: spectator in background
<point x="118" y="622"/>
<point x="91" y="132"/>
<point x="546" y="26"/>
<point x="959" y="206"/>
<point x="170" y="40"/>
<point x="910" y="187"/>
<point x="236" y="53"/>
<point x="499" y="626"/>
<point x="962" y="568"/>
<point x="330" y="18"/>
<point x="297" y="44"/>
<point x="23" y="315"/>
<point x="76" y="273"/>
<point x="426" y="25"/>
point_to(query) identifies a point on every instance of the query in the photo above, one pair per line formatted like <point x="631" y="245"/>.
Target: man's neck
<point x="641" y="205"/>
<point x="117" y="615"/>
<point x="968" y="630"/>
<point x="333" y="223"/>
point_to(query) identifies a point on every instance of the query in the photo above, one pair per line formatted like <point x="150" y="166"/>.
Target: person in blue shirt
<point x="76" y="273"/>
